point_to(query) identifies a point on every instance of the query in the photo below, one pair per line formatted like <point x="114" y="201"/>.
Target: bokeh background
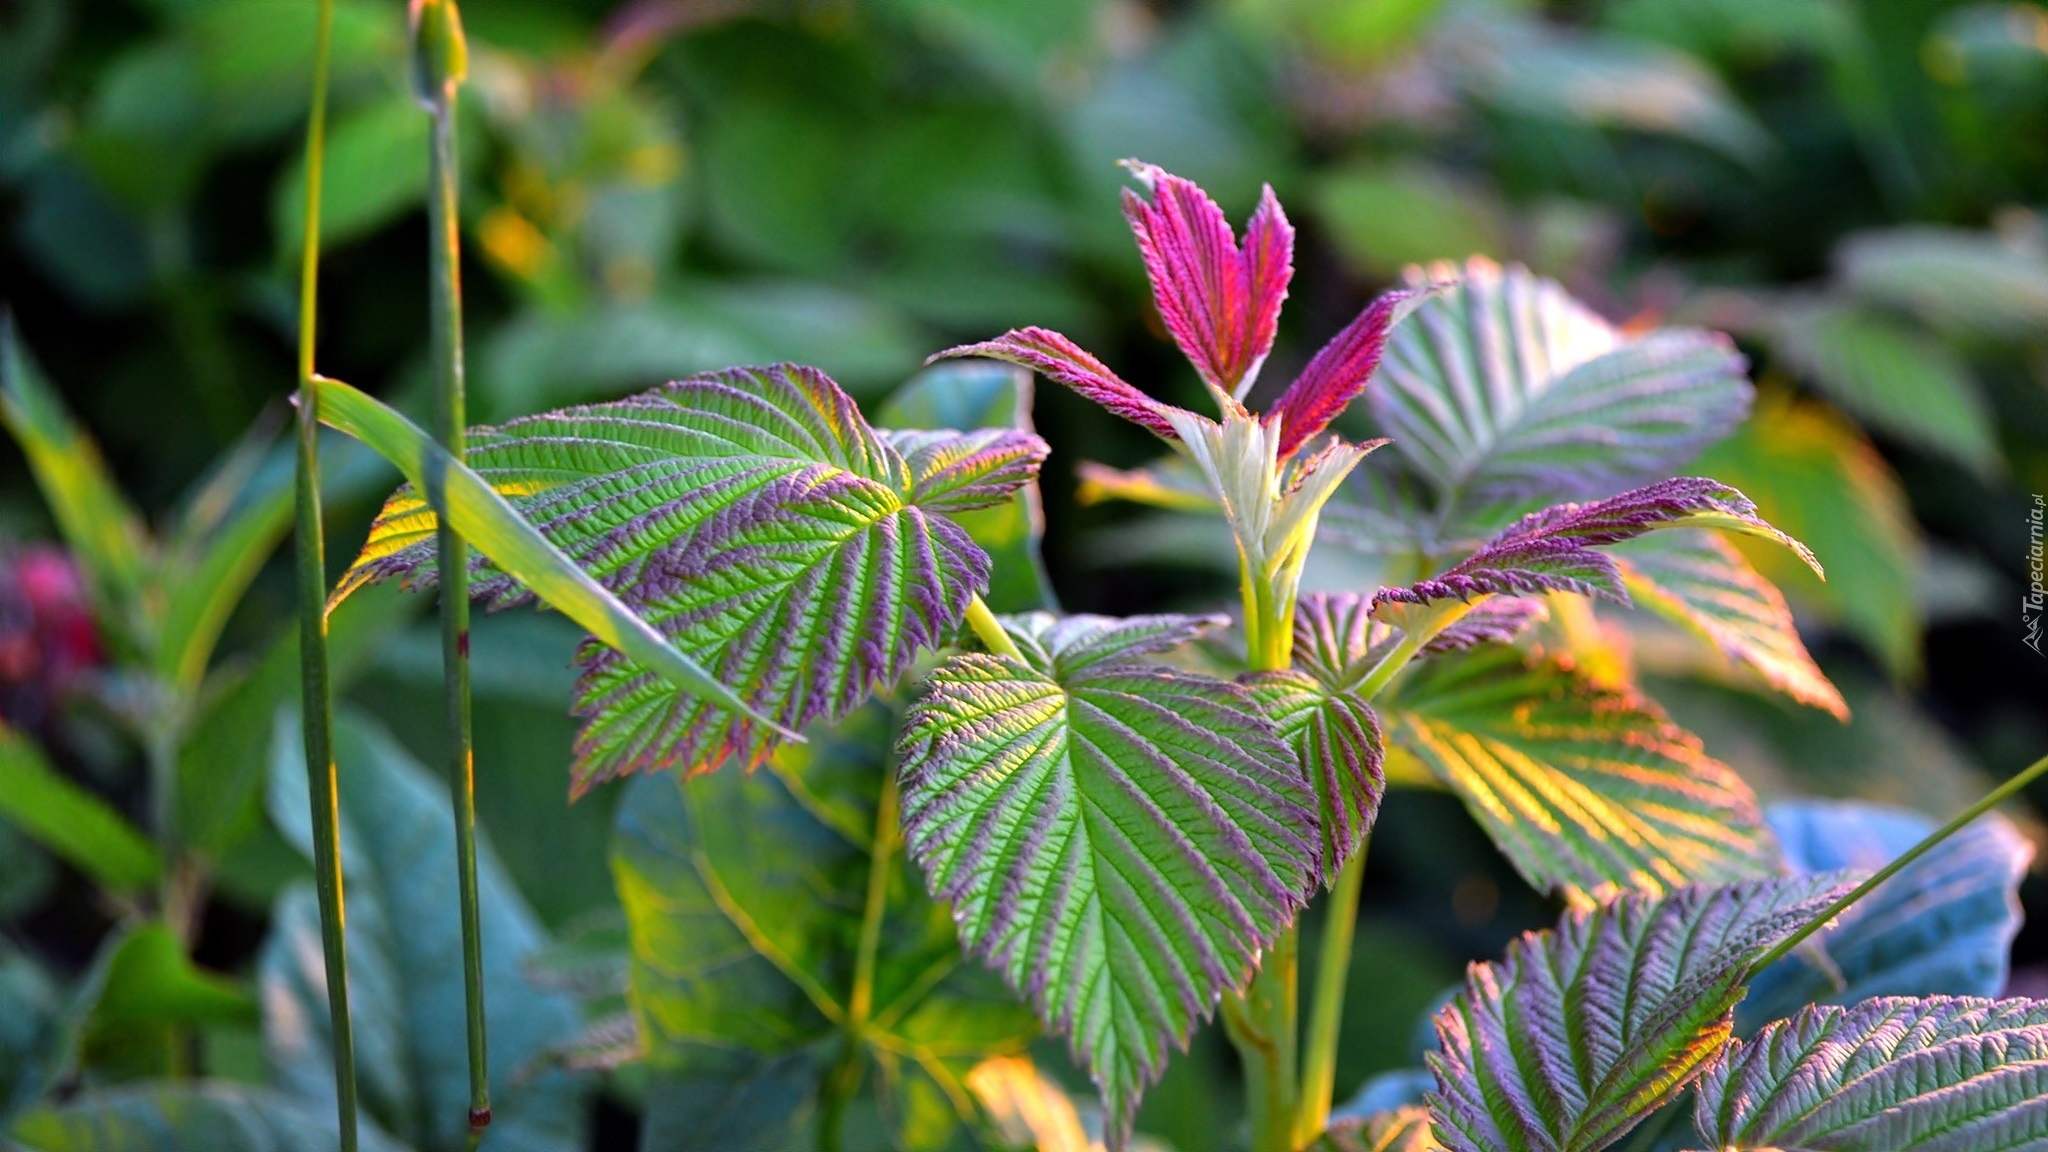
<point x="1855" y="190"/>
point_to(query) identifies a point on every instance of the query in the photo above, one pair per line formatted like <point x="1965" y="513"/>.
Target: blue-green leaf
<point x="207" y="1116"/>
<point x="1944" y="925"/>
<point x="405" y="963"/>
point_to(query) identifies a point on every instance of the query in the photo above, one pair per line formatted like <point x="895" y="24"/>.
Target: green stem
<point x="1263" y="1021"/>
<point x="1333" y="969"/>
<point x="844" y="1078"/>
<point x="445" y="256"/>
<point x="990" y="630"/>
<point x="1993" y="799"/>
<point x="1268" y="1040"/>
<point x="317" y="702"/>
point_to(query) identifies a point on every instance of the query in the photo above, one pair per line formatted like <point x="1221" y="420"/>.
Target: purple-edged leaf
<point x="1120" y="840"/>
<point x="1057" y="358"/>
<point x="1555" y="550"/>
<point x="1336" y="739"/>
<point x="1505" y="389"/>
<point x="1339" y="372"/>
<point x="1583" y="788"/>
<point x="1701" y="583"/>
<point x="1497" y="621"/>
<point x="755" y="519"/>
<point x="962" y="471"/>
<point x="1068" y="644"/>
<point x="986" y="394"/>
<point x="1333" y="631"/>
<point x="1945" y="924"/>
<point x="1221" y="302"/>
<point x="1582" y="1031"/>
<point x="1940" y="1074"/>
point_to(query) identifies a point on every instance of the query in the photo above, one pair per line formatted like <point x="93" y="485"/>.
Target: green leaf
<point x="1406" y="1129"/>
<point x="1814" y="476"/>
<point x="1538" y="69"/>
<point x="969" y="394"/>
<point x="96" y="519"/>
<point x="1700" y="582"/>
<point x="1332" y="729"/>
<point x="756" y="519"/>
<point x="405" y="963"/>
<point x="749" y="899"/>
<point x="72" y="822"/>
<point x="1384" y="217"/>
<point x="1959" y="281"/>
<point x="376" y="170"/>
<point x="1336" y="740"/>
<point x="1887" y="1075"/>
<point x="1584" y="788"/>
<point x="1944" y="925"/>
<point x="1892" y="378"/>
<point x="1582" y="1031"/>
<point x="187" y="1117"/>
<point x="499" y="533"/>
<point x="150" y="980"/>
<point x="1120" y="839"/>
<point x="1505" y="393"/>
<point x="754" y="1104"/>
<point x="223" y="763"/>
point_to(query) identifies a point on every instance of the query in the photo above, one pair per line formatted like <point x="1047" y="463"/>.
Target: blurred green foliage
<point x="651" y="188"/>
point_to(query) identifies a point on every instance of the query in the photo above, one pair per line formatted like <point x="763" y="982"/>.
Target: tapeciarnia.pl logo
<point x="2035" y="604"/>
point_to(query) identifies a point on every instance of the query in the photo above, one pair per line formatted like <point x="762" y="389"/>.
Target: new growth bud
<point x="440" y="54"/>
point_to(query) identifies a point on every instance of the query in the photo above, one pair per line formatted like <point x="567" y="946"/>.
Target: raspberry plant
<point x="1124" y="818"/>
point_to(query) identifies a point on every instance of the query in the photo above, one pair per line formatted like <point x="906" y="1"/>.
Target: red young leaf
<point x="1057" y="358"/>
<point x="1338" y="373"/>
<point x="1220" y="301"/>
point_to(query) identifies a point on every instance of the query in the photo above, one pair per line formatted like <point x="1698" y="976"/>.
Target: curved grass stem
<point x="316" y="700"/>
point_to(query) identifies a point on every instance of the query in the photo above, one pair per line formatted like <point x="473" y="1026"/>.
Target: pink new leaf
<point x="1057" y="358"/>
<point x="1339" y="372"/>
<point x="1220" y="301"/>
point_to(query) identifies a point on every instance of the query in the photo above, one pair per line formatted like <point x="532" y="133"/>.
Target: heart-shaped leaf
<point x="1941" y="1074"/>
<point x="1701" y="583"/>
<point x="754" y="518"/>
<point x="1944" y="925"/>
<point x="1506" y="391"/>
<point x="1582" y="1031"/>
<point x="1584" y="788"/>
<point x="1119" y="838"/>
